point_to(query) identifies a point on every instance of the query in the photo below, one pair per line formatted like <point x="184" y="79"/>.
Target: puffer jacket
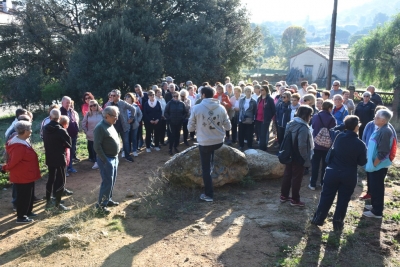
<point x="175" y="112"/>
<point x="300" y="130"/>
<point x="23" y="163"/>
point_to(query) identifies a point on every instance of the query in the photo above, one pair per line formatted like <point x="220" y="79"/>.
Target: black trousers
<point x="92" y="153"/>
<point x="152" y="129"/>
<point x="56" y="183"/>
<point x="207" y="165"/>
<point x="175" y="130"/>
<point x="234" y="129"/>
<point x="163" y="126"/>
<point x="25" y="193"/>
<point x="246" y="132"/>
<point x="185" y="130"/>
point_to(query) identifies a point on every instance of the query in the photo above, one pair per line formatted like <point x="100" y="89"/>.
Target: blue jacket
<point x="283" y="112"/>
<point x="370" y="129"/>
<point x="379" y="146"/>
<point x="349" y="151"/>
<point x="340" y="114"/>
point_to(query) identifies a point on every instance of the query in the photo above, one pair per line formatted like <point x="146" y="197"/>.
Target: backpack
<point x="393" y="150"/>
<point x="323" y="137"/>
<point x="289" y="151"/>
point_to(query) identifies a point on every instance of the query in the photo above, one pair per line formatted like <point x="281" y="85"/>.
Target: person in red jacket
<point x="225" y="101"/>
<point x="23" y="165"/>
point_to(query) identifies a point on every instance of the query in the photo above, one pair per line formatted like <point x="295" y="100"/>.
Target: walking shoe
<point x="14" y="207"/>
<point x="170" y="152"/>
<point x="76" y="160"/>
<point x="368" y="207"/>
<point x="128" y="158"/>
<point x="95" y="166"/>
<point x="123" y="154"/>
<point x="66" y="174"/>
<point x="36" y="199"/>
<point x="296" y="203"/>
<point x="53" y="199"/>
<point x="103" y="210"/>
<point x="148" y="150"/>
<point x="135" y="154"/>
<point x="31" y="214"/>
<point x="61" y="207"/>
<point x="176" y="150"/>
<point x="283" y="199"/>
<point x="67" y="192"/>
<point x="49" y="205"/>
<point x="365" y="197"/>
<point x="206" y="198"/>
<point x="24" y="219"/>
<point x="72" y="170"/>
<point x="311" y="187"/>
<point x="112" y="203"/>
<point x="157" y="148"/>
<point x="371" y="215"/>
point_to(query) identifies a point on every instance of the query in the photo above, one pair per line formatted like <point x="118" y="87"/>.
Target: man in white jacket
<point x="210" y="120"/>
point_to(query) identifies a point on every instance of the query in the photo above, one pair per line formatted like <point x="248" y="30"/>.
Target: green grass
<point x="395" y="217"/>
<point x="116" y="225"/>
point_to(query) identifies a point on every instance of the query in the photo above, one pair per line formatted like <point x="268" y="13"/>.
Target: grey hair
<point x="22" y="126"/>
<point x="248" y="88"/>
<point x="372" y="87"/>
<point x="339" y="96"/>
<point x="257" y="86"/>
<point x="65" y="98"/>
<point x="154" y="87"/>
<point x="118" y="92"/>
<point x="184" y="92"/>
<point x="336" y="81"/>
<point x="64" y="120"/>
<point x="110" y="110"/>
<point x="366" y="93"/>
<point x="171" y="84"/>
<point x="384" y="114"/>
<point x="294" y="86"/>
<point x="55" y="114"/>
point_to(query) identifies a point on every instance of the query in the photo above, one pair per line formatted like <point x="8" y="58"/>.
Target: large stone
<point x="263" y="166"/>
<point x="230" y="166"/>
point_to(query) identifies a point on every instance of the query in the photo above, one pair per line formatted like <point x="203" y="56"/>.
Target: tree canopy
<point x="99" y="45"/>
<point x="293" y="40"/>
<point x="373" y="56"/>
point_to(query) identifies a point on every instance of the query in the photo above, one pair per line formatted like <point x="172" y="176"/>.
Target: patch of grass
<point x="392" y="205"/>
<point x="116" y="225"/>
<point x="395" y="217"/>
<point x="393" y="174"/>
<point x="247" y="182"/>
<point x="288" y="257"/>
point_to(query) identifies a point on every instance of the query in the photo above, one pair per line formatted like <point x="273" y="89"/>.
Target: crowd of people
<point x="320" y="123"/>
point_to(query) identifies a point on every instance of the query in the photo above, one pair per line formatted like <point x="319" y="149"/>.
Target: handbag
<point x="247" y="121"/>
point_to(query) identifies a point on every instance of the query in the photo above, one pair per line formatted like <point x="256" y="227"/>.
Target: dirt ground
<point x="162" y="225"/>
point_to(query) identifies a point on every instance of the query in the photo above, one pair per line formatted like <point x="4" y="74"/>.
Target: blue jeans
<point x="108" y="172"/>
<point x="133" y="140"/>
<point x="125" y="142"/>
<point x="207" y="165"/>
<point x="341" y="182"/>
<point x="263" y="134"/>
<point x="72" y="151"/>
<point x="377" y="189"/>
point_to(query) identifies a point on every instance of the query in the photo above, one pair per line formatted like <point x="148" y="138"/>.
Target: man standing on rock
<point x="210" y="120"/>
<point x="106" y="145"/>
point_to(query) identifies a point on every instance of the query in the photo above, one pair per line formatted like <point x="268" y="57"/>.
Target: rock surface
<point x="263" y="166"/>
<point x="230" y="166"/>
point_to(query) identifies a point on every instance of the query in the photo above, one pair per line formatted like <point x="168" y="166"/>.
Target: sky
<point x="263" y="10"/>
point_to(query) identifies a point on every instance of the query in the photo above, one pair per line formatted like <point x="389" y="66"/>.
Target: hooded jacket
<point x="210" y="120"/>
<point x="55" y="140"/>
<point x="300" y="129"/>
<point x="23" y="163"/>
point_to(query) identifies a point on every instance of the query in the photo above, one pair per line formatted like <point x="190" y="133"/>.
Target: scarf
<point x="152" y="104"/>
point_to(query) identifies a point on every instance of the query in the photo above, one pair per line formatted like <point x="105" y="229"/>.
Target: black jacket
<point x="55" y="140"/>
<point x="175" y="112"/>
<point x="365" y="112"/>
<point x="151" y="114"/>
<point x="269" y="108"/>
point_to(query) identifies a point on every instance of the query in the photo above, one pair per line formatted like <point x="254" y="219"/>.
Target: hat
<point x="169" y="79"/>
<point x="265" y="84"/>
<point x="189" y="83"/>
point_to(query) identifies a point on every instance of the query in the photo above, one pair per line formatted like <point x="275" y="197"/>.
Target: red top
<point x="85" y="109"/>
<point x="260" y="110"/>
<point x="23" y="163"/>
<point x="224" y="101"/>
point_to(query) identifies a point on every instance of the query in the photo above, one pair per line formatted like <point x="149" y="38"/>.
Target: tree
<point x="380" y="19"/>
<point x="342" y="36"/>
<point x="293" y="40"/>
<point x="269" y="43"/>
<point x="112" y="57"/>
<point x="373" y="56"/>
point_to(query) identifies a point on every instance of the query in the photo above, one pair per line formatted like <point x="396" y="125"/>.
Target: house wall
<point x="310" y="58"/>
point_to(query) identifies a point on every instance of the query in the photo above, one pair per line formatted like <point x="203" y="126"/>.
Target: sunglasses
<point x="366" y="96"/>
<point x="87" y="98"/>
<point x="336" y="85"/>
<point x="113" y="95"/>
<point x="94" y="105"/>
<point x="151" y="95"/>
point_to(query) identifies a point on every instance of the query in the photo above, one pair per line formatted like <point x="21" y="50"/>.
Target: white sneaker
<point x="311" y="187"/>
<point x="123" y="154"/>
<point x="157" y="148"/>
<point x="135" y="154"/>
<point x="148" y="150"/>
<point x="67" y="174"/>
<point x="95" y="166"/>
<point x="368" y="207"/>
<point x="371" y="215"/>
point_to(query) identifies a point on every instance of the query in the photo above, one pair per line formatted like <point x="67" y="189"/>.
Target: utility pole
<point x="332" y="46"/>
